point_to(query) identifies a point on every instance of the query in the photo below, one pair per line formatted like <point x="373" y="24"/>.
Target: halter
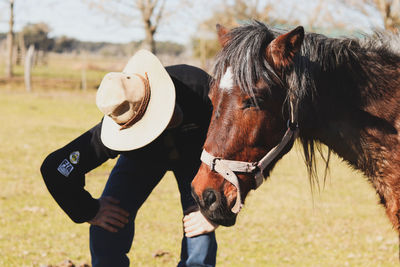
<point x="228" y="168"/>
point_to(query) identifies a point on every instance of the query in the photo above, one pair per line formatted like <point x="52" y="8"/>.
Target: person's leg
<point x="130" y="182"/>
<point x="200" y="250"/>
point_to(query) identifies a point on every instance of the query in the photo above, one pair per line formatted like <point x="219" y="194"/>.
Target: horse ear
<point x="222" y="34"/>
<point x="281" y="51"/>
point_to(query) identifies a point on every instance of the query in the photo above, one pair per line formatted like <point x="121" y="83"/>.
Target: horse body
<point x="345" y="94"/>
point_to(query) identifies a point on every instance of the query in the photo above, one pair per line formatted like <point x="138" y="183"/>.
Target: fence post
<point x="83" y="71"/>
<point x="28" y="67"/>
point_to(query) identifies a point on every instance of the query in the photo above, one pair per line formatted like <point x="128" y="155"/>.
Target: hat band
<point x="143" y="105"/>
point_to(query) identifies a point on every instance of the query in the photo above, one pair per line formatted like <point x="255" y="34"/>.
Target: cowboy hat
<point x="137" y="103"/>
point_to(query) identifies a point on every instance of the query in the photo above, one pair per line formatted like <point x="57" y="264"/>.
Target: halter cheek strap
<point x="227" y="168"/>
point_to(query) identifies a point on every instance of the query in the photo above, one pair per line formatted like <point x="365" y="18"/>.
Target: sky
<point x="75" y="18"/>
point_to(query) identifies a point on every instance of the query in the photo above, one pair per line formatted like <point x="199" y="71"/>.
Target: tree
<point x="10" y="41"/>
<point x="65" y="44"/>
<point x="37" y="34"/>
<point x="151" y="13"/>
<point x="389" y="10"/>
<point x="228" y="14"/>
<point x="151" y="19"/>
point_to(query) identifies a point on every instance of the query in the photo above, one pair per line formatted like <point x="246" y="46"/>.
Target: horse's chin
<point x="226" y="222"/>
<point x="227" y="219"/>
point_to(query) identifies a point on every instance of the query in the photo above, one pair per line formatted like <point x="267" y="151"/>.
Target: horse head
<point x="249" y="119"/>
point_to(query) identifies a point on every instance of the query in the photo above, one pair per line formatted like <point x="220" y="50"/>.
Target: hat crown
<point x="119" y="95"/>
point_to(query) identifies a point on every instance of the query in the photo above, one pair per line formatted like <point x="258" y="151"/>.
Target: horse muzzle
<point x="214" y="206"/>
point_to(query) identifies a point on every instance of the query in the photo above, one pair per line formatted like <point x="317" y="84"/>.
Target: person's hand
<point x="110" y="216"/>
<point x="195" y="224"/>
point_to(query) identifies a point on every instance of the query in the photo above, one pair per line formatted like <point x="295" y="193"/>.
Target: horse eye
<point x="250" y="103"/>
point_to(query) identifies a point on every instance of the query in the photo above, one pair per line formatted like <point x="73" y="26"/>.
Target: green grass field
<point x="282" y="223"/>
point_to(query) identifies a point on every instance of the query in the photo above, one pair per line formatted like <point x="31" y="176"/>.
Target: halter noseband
<point x="227" y="168"/>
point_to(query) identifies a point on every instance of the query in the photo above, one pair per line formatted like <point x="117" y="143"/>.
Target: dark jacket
<point x="64" y="170"/>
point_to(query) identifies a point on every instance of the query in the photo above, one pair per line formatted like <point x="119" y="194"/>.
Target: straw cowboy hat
<point x="137" y="103"/>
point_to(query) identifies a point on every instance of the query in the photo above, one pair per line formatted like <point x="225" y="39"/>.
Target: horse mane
<point x="245" y="53"/>
<point x="363" y="58"/>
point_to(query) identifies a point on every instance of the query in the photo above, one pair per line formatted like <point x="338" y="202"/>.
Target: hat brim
<point x="158" y="113"/>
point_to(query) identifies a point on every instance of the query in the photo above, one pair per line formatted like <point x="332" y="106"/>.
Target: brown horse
<point x="272" y="86"/>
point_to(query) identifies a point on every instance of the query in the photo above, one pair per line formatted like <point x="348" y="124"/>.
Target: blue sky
<point x="76" y="19"/>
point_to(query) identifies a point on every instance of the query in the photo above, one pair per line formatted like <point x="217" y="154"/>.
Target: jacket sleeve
<point x="64" y="172"/>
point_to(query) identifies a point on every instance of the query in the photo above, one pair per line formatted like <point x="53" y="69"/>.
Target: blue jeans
<point x="131" y="181"/>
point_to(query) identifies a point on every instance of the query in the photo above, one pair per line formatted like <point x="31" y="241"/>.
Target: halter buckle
<point x="213" y="162"/>
<point x="254" y="168"/>
<point x="293" y="126"/>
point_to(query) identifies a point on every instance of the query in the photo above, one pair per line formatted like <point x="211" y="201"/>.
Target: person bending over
<point x="156" y="120"/>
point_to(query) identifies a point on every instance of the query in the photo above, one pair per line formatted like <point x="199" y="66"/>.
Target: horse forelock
<point x="244" y="56"/>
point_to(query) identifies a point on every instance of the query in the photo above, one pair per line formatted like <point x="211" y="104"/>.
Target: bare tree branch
<point x="389" y="10"/>
<point x="151" y="13"/>
<point x="159" y="15"/>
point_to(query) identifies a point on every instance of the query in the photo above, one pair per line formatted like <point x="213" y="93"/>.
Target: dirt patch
<point x="67" y="263"/>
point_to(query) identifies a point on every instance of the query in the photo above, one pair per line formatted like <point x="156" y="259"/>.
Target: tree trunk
<point x="10" y="41"/>
<point x="389" y="12"/>
<point x="149" y="42"/>
<point x="21" y="50"/>
<point x="203" y="53"/>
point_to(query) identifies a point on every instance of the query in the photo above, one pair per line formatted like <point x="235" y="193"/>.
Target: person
<point x="155" y="119"/>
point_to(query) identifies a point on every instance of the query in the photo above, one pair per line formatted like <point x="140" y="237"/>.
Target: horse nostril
<point x="209" y="198"/>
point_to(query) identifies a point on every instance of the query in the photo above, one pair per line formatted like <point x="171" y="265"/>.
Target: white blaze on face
<point x="226" y="82"/>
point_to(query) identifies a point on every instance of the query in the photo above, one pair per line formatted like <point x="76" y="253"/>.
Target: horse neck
<point x="354" y="111"/>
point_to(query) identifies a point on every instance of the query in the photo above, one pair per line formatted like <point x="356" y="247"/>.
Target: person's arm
<point x="64" y="172"/>
<point x="194" y="222"/>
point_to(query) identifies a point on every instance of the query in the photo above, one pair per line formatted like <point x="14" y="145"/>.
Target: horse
<point x="272" y="87"/>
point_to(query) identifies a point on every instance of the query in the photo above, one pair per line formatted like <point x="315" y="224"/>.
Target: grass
<point x="282" y="223"/>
